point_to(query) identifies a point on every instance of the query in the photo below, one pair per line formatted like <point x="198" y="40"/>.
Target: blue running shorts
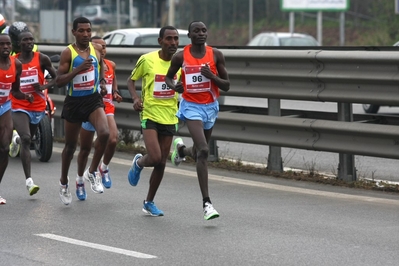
<point x="34" y="117"/>
<point x="207" y="113"/>
<point x="5" y="107"/>
<point x="88" y="126"/>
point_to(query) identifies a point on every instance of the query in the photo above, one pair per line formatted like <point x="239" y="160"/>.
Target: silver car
<point x="104" y="15"/>
<point x="140" y="37"/>
<point x="283" y="39"/>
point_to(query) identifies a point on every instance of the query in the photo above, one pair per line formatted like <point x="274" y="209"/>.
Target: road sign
<point x="315" y="5"/>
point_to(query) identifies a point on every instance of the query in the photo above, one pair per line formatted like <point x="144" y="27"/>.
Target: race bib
<point x="28" y="78"/>
<point x="195" y="82"/>
<point x="108" y="85"/>
<point x="84" y="80"/>
<point x="5" y="89"/>
<point x="161" y="89"/>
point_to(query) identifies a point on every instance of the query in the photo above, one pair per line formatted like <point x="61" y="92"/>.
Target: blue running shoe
<point x="81" y="191"/>
<point x="134" y="172"/>
<point x="150" y="208"/>
<point x="105" y="177"/>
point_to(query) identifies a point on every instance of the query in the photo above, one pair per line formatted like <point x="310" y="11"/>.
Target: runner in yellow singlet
<point x="157" y="106"/>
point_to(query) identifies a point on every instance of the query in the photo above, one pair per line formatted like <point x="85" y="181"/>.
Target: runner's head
<point x="15" y="29"/>
<point x="100" y="45"/>
<point x="5" y="45"/>
<point x="81" y="30"/>
<point x="169" y="40"/>
<point x="26" y="41"/>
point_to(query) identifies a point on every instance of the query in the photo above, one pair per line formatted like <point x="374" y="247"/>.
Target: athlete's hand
<point x="86" y="64"/>
<point x="138" y="105"/>
<point x="29" y="97"/>
<point x="117" y="97"/>
<point x="103" y="90"/>
<point x="179" y="87"/>
<point x="37" y="87"/>
<point x="206" y="71"/>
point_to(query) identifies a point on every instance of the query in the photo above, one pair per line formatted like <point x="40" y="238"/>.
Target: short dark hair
<point x="80" y="20"/>
<point x="163" y="29"/>
<point x="96" y="38"/>
<point x="191" y="23"/>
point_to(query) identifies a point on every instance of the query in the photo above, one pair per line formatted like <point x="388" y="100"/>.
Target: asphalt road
<point x="264" y="221"/>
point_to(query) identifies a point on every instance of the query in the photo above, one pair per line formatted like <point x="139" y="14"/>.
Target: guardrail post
<point x="274" y="161"/>
<point x="213" y="151"/>
<point x="346" y="166"/>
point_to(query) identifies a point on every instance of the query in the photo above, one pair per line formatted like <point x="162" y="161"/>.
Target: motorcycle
<point x="42" y="140"/>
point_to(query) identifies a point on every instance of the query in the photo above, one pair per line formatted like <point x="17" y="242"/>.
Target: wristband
<point x="103" y="79"/>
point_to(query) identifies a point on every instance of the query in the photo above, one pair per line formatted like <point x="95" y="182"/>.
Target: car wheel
<point x="371" y="108"/>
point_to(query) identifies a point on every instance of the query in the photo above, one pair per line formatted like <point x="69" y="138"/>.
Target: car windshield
<point x="153" y="40"/>
<point x="297" y="41"/>
<point x="90" y="11"/>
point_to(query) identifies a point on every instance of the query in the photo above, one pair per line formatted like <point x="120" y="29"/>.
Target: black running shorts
<point x="78" y="109"/>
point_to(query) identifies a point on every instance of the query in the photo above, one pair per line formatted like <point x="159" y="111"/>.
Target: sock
<point x="207" y="199"/>
<point x="104" y="166"/>
<point x="29" y="181"/>
<point x="137" y="163"/>
<point x="180" y="150"/>
<point x="79" y="179"/>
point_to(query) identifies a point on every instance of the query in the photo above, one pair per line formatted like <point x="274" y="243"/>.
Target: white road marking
<point x="244" y="182"/>
<point x="97" y="246"/>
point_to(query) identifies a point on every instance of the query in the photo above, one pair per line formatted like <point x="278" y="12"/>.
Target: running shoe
<point x="134" y="173"/>
<point x="2" y="201"/>
<point x="65" y="195"/>
<point x="105" y="177"/>
<point x="81" y="191"/>
<point x="14" y="145"/>
<point x="210" y="212"/>
<point x="32" y="188"/>
<point x="175" y="158"/>
<point x="150" y="208"/>
<point x="94" y="180"/>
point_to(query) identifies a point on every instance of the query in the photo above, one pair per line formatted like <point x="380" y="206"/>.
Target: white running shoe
<point x="175" y="158"/>
<point x="14" y="145"/>
<point x="95" y="181"/>
<point x="65" y="194"/>
<point x="210" y="212"/>
<point x="2" y="201"/>
<point x="31" y="187"/>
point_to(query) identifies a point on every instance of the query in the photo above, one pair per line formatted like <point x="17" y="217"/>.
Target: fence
<point x="344" y="77"/>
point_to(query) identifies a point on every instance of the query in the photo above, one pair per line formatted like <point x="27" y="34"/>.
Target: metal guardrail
<point x="344" y="77"/>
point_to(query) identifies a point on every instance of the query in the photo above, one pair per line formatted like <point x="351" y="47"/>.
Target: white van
<point x="104" y="15"/>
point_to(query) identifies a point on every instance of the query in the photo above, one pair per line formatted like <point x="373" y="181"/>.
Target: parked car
<point x="373" y="108"/>
<point x="104" y="15"/>
<point x="78" y="11"/>
<point x="140" y="37"/>
<point x="283" y="39"/>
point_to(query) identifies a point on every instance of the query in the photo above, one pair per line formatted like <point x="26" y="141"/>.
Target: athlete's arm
<point x="137" y="103"/>
<point x="15" y="91"/>
<point x="175" y="65"/>
<point x="103" y="88"/>
<point x="222" y="78"/>
<point x="115" y="92"/>
<point x="45" y="64"/>
<point x="63" y="74"/>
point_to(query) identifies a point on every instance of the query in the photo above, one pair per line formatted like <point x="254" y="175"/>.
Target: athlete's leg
<point x="6" y="127"/>
<point x="200" y="140"/>
<point x="158" y="151"/>
<point x="112" y="140"/>
<point x="24" y="128"/>
<point x="86" y="141"/>
<point x="99" y="120"/>
<point x="71" y="139"/>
